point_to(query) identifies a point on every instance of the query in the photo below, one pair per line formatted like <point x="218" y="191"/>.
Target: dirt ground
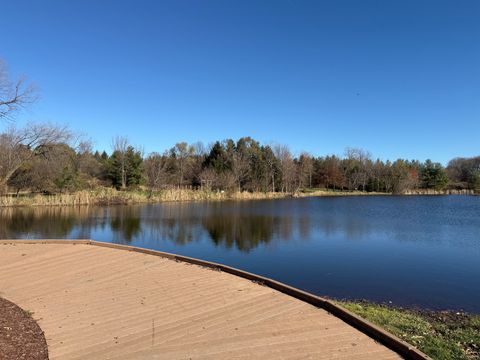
<point x="20" y="336"/>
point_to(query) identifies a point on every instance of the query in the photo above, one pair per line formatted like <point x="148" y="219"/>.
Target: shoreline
<point x="110" y="196"/>
<point x="441" y="334"/>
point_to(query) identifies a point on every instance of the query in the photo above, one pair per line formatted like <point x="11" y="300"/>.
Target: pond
<point x="412" y="250"/>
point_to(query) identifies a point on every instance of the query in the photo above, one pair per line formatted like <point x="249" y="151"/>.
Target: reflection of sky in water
<point x="410" y="250"/>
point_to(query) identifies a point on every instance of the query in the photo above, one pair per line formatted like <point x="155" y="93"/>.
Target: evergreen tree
<point x="133" y="167"/>
<point x="433" y="175"/>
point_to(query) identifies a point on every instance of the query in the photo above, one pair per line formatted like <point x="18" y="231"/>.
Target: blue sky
<point x="398" y="78"/>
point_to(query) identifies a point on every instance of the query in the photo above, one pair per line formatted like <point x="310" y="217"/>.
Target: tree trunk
<point x="124" y="178"/>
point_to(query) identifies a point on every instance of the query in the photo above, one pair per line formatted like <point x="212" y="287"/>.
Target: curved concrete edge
<point x="377" y="333"/>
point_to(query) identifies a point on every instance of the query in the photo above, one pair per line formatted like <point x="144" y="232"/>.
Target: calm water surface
<point x="413" y="251"/>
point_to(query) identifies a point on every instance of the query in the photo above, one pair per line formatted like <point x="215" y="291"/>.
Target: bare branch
<point x="18" y="146"/>
<point x="14" y="95"/>
<point x="120" y="146"/>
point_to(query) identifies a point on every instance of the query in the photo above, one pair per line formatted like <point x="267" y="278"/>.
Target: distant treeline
<point x="41" y="158"/>
<point x="46" y="158"/>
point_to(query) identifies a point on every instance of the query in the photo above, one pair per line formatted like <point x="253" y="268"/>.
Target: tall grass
<point x="110" y="196"/>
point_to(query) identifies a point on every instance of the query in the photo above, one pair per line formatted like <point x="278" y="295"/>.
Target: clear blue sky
<point x="398" y="78"/>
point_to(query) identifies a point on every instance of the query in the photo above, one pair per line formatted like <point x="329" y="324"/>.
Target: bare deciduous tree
<point x="182" y="153"/>
<point x="305" y="170"/>
<point x="120" y="145"/>
<point x="208" y="177"/>
<point x="287" y="164"/>
<point x="156" y="170"/>
<point x="91" y="169"/>
<point x="18" y="146"/>
<point x="14" y="95"/>
<point x="357" y="167"/>
<point x="240" y="168"/>
<point x="199" y="149"/>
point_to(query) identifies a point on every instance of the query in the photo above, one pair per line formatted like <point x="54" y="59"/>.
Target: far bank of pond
<point x="111" y="196"/>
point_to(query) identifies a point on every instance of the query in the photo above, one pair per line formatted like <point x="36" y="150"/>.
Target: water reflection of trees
<point x="226" y="225"/>
<point x="175" y="222"/>
<point x="245" y="232"/>
<point x="233" y="225"/>
<point x="229" y="226"/>
<point x="51" y="222"/>
<point x="125" y="224"/>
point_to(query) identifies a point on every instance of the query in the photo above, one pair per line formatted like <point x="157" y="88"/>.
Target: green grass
<point x="29" y="313"/>
<point x="441" y="335"/>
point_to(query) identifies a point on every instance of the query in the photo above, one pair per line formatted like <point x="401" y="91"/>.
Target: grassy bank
<point x="443" y="335"/>
<point x="330" y="192"/>
<point x="110" y="196"/>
